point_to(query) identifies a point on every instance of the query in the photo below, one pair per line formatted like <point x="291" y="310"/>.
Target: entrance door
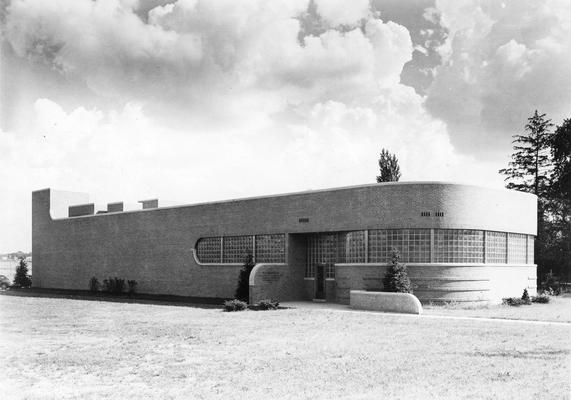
<point x="320" y="282"/>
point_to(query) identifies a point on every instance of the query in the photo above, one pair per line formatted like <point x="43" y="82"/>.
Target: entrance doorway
<point x="319" y="282"/>
<point x="320" y="262"/>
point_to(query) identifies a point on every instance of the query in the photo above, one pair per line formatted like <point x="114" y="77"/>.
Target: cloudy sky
<point x="198" y="100"/>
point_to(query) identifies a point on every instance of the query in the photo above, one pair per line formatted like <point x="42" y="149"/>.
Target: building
<point x="460" y="242"/>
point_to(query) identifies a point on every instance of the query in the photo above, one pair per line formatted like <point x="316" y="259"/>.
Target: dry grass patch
<point x="68" y="349"/>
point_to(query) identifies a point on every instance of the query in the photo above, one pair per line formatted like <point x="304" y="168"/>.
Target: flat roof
<point x="310" y="191"/>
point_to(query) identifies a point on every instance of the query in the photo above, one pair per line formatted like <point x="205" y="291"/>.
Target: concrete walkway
<point x="309" y="305"/>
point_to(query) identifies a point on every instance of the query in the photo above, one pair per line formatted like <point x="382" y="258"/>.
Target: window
<point x="321" y="249"/>
<point x="517" y="248"/>
<point x="413" y="245"/>
<point x="418" y="245"/>
<point x="237" y="248"/>
<point x="425" y="214"/>
<point x="496" y="247"/>
<point x="458" y="246"/>
<point x="352" y="247"/>
<point x="379" y="249"/>
<point x="208" y="250"/>
<point x="530" y="242"/>
<point x="270" y="248"/>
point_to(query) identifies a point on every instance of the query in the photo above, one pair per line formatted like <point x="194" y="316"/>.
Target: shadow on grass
<point x="135" y="298"/>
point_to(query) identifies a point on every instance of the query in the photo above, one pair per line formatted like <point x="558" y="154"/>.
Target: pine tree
<point x="531" y="162"/>
<point x="525" y="297"/>
<point x="243" y="289"/>
<point x="529" y="171"/>
<point x="559" y="206"/>
<point x="389" y="167"/>
<point x="22" y="279"/>
<point x="396" y="278"/>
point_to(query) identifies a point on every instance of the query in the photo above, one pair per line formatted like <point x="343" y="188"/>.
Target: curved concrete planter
<point x="385" y="301"/>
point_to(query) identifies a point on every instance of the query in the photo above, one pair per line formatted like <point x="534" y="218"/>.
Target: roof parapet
<point x="152" y="203"/>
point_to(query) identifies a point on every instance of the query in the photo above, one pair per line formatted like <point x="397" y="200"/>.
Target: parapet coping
<point x="315" y="191"/>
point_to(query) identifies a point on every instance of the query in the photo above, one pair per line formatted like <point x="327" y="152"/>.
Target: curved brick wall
<point x="439" y="283"/>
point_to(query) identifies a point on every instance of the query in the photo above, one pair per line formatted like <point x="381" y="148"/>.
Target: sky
<point x="203" y="100"/>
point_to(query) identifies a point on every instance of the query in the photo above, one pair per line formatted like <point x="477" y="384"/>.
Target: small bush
<point x="268" y="305"/>
<point x="542" y="298"/>
<point x="513" y="301"/>
<point x="243" y="288"/>
<point x="396" y="279"/>
<point x="235" y="305"/>
<point x="525" y="297"/>
<point x="132" y="284"/>
<point x="551" y="283"/>
<point x="94" y="285"/>
<point x="114" y="285"/>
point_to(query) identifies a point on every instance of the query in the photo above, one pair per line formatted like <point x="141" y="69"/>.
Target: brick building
<point x="460" y="242"/>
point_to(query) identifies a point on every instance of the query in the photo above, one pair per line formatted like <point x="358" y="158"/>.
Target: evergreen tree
<point x="243" y="289"/>
<point x="396" y="278"/>
<point x="529" y="171"/>
<point x="525" y="297"/>
<point x="559" y="206"/>
<point x="22" y="279"/>
<point x="389" y="167"/>
<point x="531" y="162"/>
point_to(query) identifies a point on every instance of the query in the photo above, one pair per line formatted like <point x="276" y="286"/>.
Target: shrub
<point x="235" y="305"/>
<point x="525" y="297"/>
<point x="94" y="285"/>
<point x="551" y="283"/>
<point x="22" y="279"/>
<point x="396" y="279"/>
<point x="132" y="284"/>
<point x="243" y="289"/>
<point x="268" y="305"/>
<point x="542" y="298"/>
<point x="512" y="301"/>
<point x="113" y="285"/>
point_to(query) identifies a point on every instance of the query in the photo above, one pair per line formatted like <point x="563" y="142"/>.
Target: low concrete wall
<point x="385" y="301"/>
<point x="268" y="281"/>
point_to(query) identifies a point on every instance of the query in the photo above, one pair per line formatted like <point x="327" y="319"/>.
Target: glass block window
<point x="352" y="247"/>
<point x="418" y="245"/>
<point x="237" y="248"/>
<point x="270" y="248"/>
<point x="517" y="248"/>
<point x="530" y="249"/>
<point x="208" y="250"/>
<point x="458" y="246"/>
<point x="413" y="245"/>
<point x="321" y="249"/>
<point x="379" y="249"/>
<point x="496" y="247"/>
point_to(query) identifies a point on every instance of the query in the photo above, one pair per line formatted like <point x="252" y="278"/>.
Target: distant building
<point x="460" y="242"/>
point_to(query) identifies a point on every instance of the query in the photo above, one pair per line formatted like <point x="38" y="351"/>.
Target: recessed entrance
<point x="320" y="261"/>
<point x="319" y="282"/>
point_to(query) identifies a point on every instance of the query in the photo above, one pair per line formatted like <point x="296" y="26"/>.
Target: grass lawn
<point x="558" y="310"/>
<point x="68" y="349"/>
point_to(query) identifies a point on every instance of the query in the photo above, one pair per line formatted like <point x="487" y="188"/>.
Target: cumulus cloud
<point x="202" y="100"/>
<point x="501" y="61"/>
<point x="206" y="54"/>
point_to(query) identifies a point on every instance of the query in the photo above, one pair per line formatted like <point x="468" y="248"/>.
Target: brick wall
<point x="155" y="246"/>
<point x="477" y="283"/>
